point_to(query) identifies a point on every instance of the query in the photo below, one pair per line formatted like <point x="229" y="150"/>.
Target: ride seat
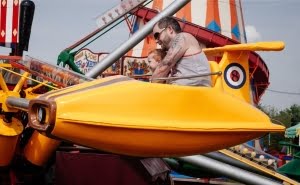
<point x="216" y="80"/>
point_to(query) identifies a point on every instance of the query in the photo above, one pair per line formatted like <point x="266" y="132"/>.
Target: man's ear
<point x="170" y="29"/>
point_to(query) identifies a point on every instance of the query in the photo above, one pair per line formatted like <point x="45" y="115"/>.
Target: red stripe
<point x="15" y="23"/>
<point x="185" y="13"/>
<point x="149" y="45"/>
<point x="157" y="5"/>
<point x="234" y="21"/>
<point x="212" y="13"/>
<point x="3" y="23"/>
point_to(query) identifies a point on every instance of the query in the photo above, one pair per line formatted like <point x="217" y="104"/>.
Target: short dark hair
<point x="169" y="21"/>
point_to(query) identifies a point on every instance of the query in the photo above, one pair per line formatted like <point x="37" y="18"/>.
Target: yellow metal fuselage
<point x="125" y="116"/>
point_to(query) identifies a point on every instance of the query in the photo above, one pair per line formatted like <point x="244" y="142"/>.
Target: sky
<point x="268" y="20"/>
<point x="58" y="24"/>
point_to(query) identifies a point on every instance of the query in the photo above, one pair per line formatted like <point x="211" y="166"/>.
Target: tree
<point x="287" y="117"/>
<point x="294" y="111"/>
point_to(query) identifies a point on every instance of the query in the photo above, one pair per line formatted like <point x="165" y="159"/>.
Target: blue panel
<point x="178" y="175"/>
<point x="250" y="143"/>
<point x="214" y="26"/>
<point x="235" y="30"/>
<point x="136" y="25"/>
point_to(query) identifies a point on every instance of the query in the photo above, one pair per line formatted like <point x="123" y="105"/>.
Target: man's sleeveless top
<point x="196" y="64"/>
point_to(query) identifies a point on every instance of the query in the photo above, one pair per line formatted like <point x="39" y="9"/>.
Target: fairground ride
<point x="112" y="122"/>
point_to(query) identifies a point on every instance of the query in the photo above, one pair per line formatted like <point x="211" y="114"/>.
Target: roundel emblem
<point x="235" y="75"/>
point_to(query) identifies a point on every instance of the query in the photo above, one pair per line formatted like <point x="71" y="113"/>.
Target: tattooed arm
<point x="174" y="54"/>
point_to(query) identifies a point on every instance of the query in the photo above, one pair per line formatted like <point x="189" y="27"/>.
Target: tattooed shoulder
<point x="178" y="40"/>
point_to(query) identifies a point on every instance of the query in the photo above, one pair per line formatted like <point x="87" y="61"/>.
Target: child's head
<point x="155" y="57"/>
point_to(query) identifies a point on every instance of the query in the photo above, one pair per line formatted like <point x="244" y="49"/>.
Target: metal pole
<point x="189" y="76"/>
<point x="227" y="170"/>
<point x="135" y="39"/>
<point x="20" y="103"/>
<point x="228" y="160"/>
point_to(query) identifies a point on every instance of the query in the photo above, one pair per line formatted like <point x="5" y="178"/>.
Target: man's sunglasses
<point x="157" y="34"/>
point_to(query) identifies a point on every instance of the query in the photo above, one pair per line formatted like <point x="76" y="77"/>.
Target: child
<point x="155" y="57"/>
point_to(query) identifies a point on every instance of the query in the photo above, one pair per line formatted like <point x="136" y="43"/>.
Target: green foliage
<point x="294" y="110"/>
<point x="271" y="141"/>
<point x="285" y="117"/>
<point x="288" y="117"/>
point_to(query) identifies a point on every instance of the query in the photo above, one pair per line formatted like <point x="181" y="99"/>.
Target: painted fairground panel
<point x="86" y="60"/>
<point x="9" y="78"/>
<point x="114" y="69"/>
<point x="49" y="72"/>
<point x="135" y="67"/>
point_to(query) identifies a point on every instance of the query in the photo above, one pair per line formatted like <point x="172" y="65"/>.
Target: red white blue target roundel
<point x="235" y="75"/>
